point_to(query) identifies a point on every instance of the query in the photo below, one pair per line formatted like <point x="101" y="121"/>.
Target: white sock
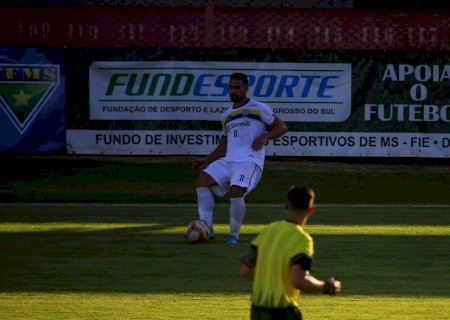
<point x="205" y="201"/>
<point x="237" y="213"/>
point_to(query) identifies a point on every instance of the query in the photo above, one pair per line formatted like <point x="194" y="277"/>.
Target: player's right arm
<point x="220" y="151"/>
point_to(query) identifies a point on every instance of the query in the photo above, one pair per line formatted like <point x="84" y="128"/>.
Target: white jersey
<point x="242" y="126"/>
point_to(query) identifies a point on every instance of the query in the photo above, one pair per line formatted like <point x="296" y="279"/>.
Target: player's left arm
<point x="279" y="128"/>
<point x="301" y="278"/>
<point x="247" y="272"/>
<point x="249" y="263"/>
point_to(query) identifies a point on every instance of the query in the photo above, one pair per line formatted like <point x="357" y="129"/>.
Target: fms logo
<point x="24" y="89"/>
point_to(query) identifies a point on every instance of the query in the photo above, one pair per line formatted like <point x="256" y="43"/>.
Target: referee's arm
<point x="249" y="263"/>
<point x="301" y="278"/>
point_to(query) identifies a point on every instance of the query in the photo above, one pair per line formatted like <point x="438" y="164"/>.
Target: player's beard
<point x="236" y="99"/>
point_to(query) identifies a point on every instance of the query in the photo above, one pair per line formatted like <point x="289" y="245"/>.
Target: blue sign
<point x="32" y="100"/>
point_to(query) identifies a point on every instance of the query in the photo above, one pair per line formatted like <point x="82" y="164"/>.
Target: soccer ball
<point x="198" y="231"/>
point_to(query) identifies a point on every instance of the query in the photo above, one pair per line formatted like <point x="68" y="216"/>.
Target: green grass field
<point x="101" y="238"/>
<point x="125" y="261"/>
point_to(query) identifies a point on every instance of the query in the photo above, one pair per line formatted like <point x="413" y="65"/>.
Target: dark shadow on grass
<point x="137" y="179"/>
<point x="94" y="179"/>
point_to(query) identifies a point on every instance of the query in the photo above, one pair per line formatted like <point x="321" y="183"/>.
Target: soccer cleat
<point x="212" y="235"/>
<point x="232" y="240"/>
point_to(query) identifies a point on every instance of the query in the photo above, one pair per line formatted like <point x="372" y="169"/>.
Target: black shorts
<point x="263" y="313"/>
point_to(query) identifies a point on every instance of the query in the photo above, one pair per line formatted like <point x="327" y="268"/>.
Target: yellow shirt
<point x="277" y="244"/>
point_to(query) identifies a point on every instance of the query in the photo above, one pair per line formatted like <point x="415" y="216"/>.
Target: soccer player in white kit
<point x="235" y="166"/>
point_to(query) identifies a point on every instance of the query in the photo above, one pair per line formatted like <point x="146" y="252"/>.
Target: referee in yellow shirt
<point x="279" y="262"/>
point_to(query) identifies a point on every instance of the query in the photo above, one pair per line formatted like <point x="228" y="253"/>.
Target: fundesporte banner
<point x="189" y="90"/>
<point x="358" y="107"/>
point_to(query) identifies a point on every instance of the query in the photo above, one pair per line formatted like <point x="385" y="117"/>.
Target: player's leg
<point x="237" y="212"/>
<point x="205" y="197"/>
<point x="213" y="179"/>
<point x="245" y="177"/>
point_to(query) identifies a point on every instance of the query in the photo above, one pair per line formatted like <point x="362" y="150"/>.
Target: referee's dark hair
<point x="301" y="197"/>
<point x="240" y="76"/>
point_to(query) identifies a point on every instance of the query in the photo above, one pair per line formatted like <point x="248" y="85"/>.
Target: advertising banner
<point x="32" y="100"/>
<point x="323" y="144"/>
<point x="190" y="90"/>
<point x="335" y="103"/>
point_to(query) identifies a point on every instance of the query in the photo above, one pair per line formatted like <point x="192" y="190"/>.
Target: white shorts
<point x="225" y="173"/>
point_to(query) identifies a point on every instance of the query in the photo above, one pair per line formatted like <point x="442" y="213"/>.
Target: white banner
<point x="194" y="90"/>
<point x="184" y="142"/>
